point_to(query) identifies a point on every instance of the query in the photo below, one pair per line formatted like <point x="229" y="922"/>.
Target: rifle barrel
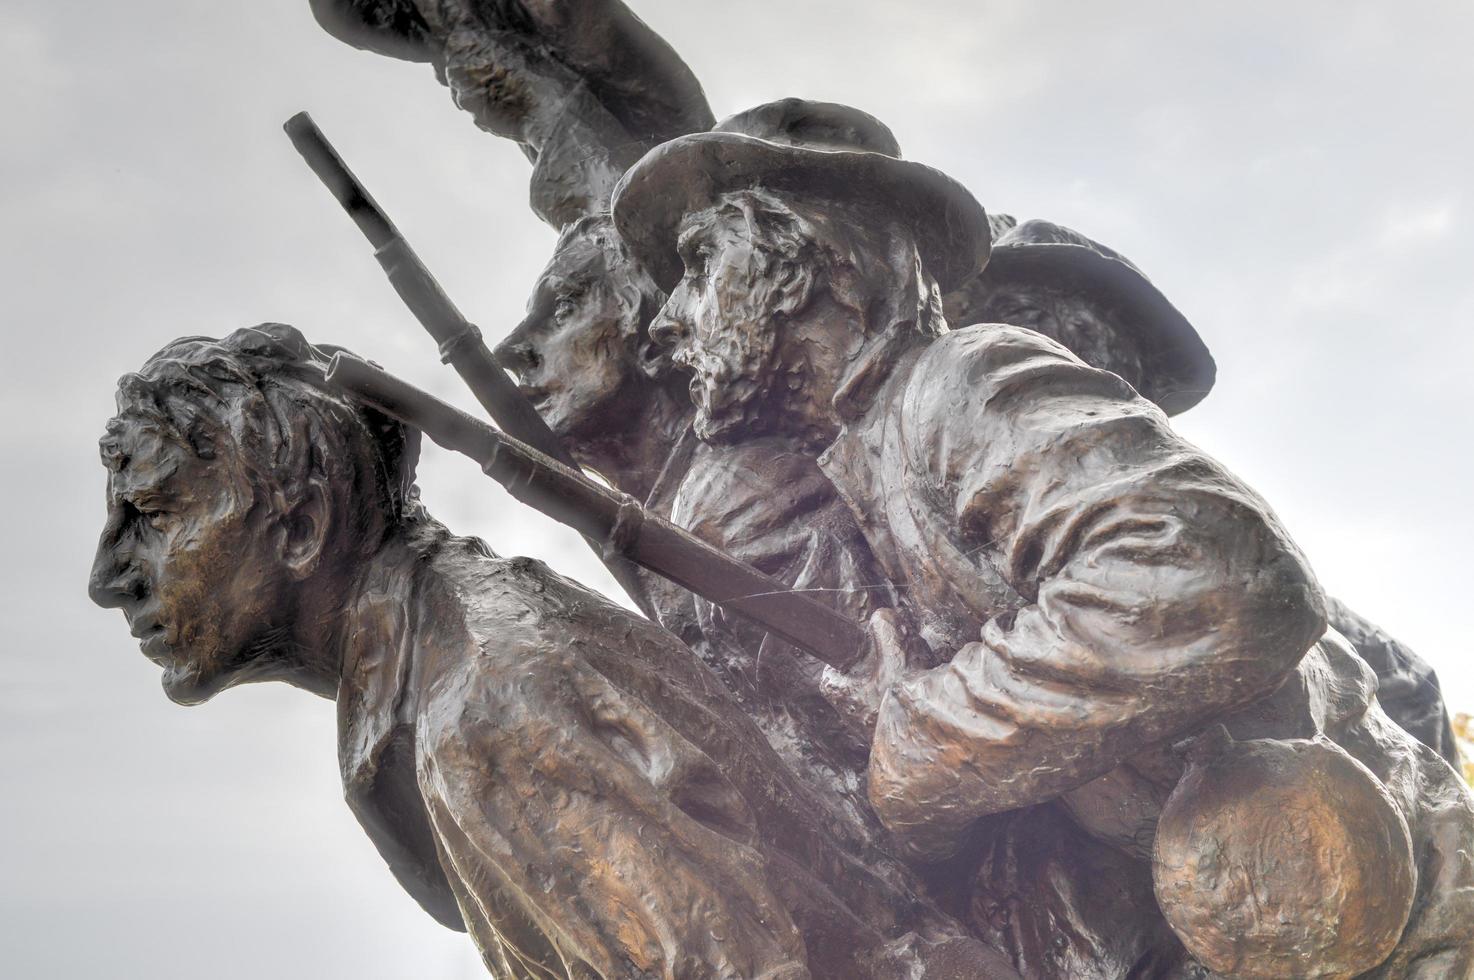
<point x="600" y="513"/>
<point x="460" y="342"/>
<point x="345" y="187"/>
<point x="461" y="345"/>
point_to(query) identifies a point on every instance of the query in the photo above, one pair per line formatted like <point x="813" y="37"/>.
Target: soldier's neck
<point x="868" y="371"/>
<point x="632" y="452"/>
<point x="370" y="611"/>
<point x="314" y="649"/>
<point x="815" y="357"/>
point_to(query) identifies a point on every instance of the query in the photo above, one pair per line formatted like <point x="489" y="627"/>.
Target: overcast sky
<point x="1295" y="176"/>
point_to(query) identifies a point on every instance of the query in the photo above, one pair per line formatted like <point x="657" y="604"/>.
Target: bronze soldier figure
<point x="1092" y="299"/>
<point x="762" y="501"/>
<point x="584" y="356"/>
<point x="1080" y="589"/>
<point x="538" y="766"/>
<point x="625" y="414"/>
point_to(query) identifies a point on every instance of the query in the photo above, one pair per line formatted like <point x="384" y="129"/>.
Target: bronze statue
<point x="1080" y="588"/>
<point x="537" y="765"/>
<point x="1101" y="721"/>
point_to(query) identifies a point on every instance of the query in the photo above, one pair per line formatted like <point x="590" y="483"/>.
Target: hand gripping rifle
<point x="460" y="341"/>
<point x="626" y="529"/>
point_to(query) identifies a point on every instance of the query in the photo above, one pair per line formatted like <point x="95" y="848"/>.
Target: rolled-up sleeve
<point x="1158" y="591"/>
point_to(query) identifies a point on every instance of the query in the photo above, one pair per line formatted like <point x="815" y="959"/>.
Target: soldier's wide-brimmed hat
<point x="632" y="71"/>
<point x="1177" y="369"/>
<point x="816" y="149"/>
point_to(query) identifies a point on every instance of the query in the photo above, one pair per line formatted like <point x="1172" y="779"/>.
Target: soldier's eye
<point x="564" y="309"/>
<point x="154" y="518"/>
<point x="696" y="258"/>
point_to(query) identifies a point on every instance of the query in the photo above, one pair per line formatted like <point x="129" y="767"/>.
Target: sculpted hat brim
<point x="631" y="70"/>
<point x="690" y="173"/>
<point x="1177" y="367"/>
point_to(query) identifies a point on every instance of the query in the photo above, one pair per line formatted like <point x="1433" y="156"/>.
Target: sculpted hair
<point x="868" y="266"/>
<point x="261" y="393"/>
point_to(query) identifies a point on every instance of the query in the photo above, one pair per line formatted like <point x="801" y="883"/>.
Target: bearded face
<point x="745" y="276"/>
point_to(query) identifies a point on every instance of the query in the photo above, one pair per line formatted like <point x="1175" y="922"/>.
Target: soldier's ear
<point x="306" y="531"/>
<point x="793" y="285"/>
<point x="641" y="308"/>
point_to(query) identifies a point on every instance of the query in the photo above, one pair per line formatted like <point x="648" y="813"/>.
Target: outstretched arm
<point x="583" y="85"/>
<point x="1159" y="590"/>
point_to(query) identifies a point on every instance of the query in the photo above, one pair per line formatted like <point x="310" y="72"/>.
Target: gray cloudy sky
<point x="1296" y="176"/>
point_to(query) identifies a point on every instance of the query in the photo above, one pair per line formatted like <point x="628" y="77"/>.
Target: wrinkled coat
<point x="1100" y="589"/>
<point x="566" y="781"/>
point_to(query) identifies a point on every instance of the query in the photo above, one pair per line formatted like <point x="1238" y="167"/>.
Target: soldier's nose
<point x="112" y="587"/>
<point x="666" y="330"/>
<point x="113" y="583"/>
<point x="516" y="358"/>
<point x="514" y="353"/>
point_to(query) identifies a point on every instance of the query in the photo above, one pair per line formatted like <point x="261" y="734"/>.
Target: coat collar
<point x="857" y="391"/>
<point x="377" y="710"/>
<point x="852" y="462"/>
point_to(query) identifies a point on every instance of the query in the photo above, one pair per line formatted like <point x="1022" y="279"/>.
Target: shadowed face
<point x="1083" y="325"/>
<point x="191" y="559"/>
<point x="571" y="355"/>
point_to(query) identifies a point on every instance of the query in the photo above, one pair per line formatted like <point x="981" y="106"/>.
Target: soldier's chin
<point x="721" y="421"/>
<point x="726" y="427"/>
<point x="558" y="414"/>
<point x="712" y="432"/>
<point x="190" y="684"/>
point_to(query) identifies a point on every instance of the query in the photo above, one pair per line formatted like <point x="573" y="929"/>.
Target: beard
<point x="732" y="376"/>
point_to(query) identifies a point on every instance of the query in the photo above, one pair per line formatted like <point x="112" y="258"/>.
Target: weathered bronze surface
<point x="543" y="768"/>
<point x="1098" y="719"/>
<point x="1304" y="834"/>
<point x="1092" y="300"/>
<point x="583" y="86"/>
<point x="601" y="513"/>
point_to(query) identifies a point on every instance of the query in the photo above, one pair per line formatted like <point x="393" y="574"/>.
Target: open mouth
<point x="156" y="649"/>
<point x="152" y="640"/>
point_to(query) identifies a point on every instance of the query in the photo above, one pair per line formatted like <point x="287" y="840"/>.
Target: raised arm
<point x="584" y="86"/>
<point x="1159" y="590"/>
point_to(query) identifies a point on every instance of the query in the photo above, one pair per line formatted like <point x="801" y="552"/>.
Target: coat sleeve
<point x="1159" y="591"/>
<point x="1407" y="687"/>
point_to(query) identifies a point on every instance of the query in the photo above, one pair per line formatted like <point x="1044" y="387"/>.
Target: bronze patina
<point x="956" y="660"/>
